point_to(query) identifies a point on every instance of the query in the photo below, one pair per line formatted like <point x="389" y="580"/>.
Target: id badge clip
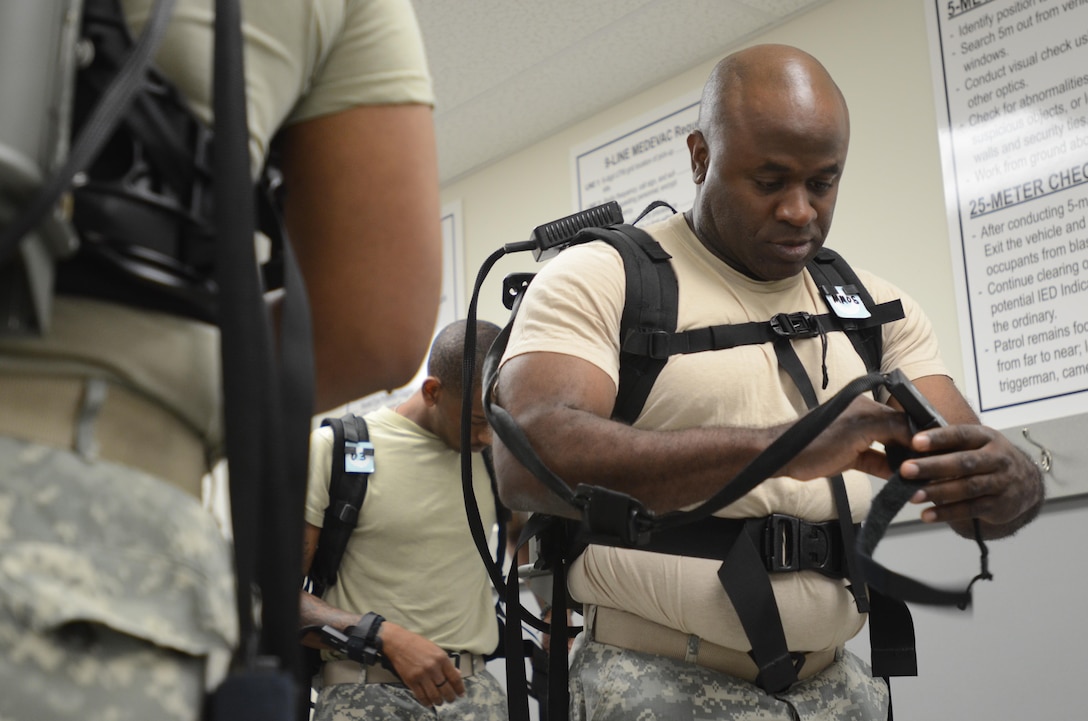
<point x="358" y="457"/>
<point x="845" y="302"/>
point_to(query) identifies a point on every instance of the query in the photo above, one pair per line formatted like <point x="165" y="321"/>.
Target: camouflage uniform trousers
<point x="614" y="684"/>
<point x="484" y="700"/>
<point x="115" y="591"/>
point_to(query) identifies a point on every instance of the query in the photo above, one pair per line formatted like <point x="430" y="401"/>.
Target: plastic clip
<point x="795" y="325"/>
<point x="613" y="515"/>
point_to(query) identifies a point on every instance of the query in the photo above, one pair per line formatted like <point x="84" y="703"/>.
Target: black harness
<point x="143" y="208"/>
<point x="352" y="464"/>
<point x="750" y="549"/>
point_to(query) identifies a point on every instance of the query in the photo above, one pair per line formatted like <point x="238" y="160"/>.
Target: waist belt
<point x="634" y="633"/>
<point x="751" y="550"/>
<point x="347" y="671"/>
<point x="102" y="420"/>
<point x="783" y="543"/>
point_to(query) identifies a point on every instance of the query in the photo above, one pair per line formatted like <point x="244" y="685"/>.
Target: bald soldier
<point x="663" y="640"/>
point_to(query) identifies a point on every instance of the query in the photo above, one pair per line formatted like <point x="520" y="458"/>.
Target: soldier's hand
<point x="848" y="442"/>
<point x="974" y="472"/>
<point x="425" y="668"/>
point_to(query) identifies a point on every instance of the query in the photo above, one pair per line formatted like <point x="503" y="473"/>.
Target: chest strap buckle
<point x="795" y="325"/>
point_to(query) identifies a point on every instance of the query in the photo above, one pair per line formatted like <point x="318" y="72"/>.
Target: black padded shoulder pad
<point x="649" y="308"/>
<point x="347" y="490"/>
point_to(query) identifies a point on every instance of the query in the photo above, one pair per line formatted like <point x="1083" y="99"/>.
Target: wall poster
<point x="640" y="162"/>
<point x="1011" y="78"/>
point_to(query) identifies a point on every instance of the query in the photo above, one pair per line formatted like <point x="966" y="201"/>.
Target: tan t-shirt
<point x="411" y="558"/>
<point x="304" y="58"/>
<point x="573" y="306"/>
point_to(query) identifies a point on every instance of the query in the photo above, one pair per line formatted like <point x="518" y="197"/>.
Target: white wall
<point x="1020" y="653"/>
<point x="890" y="214"/>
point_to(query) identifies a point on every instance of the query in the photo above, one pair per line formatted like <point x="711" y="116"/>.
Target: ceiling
<point x="509" y="73"/>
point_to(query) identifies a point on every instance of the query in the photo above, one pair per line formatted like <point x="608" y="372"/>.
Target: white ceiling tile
<point x="508" y="73"/>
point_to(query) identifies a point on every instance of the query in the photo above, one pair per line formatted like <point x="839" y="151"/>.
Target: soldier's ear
<point x="700" y="156"/>
<point x="431" y="390"/>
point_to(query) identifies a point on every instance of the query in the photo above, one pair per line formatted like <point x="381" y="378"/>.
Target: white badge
<point x="358" y="457"/>
<point x="846" y="303"/>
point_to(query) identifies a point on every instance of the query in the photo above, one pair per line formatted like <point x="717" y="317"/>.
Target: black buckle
<point x="791" y="544"/>
<point x="613" y="515"/>
<point x="647" y="342"/>
<point x="513" y="286"/>
<point x="795" y="325"/>
<point x="345" y="512"/>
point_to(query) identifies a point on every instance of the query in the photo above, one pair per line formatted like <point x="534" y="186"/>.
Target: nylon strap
<point x="748" y="586"/>
<point x="347" y="491"/>
<point x="721" y="337"/>
<point x="828" y="269"/>
<point x="788" y="360"/>
<point x="267" y="404"/>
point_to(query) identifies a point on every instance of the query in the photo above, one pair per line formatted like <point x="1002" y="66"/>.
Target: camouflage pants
<point x="484" y="700"/>
<point x="613" y="684"/>
<point x="115" y="590"/>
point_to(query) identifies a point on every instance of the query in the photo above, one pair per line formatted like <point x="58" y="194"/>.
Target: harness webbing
<point x="347" y="491"/>
<point x="656" y="343"/>
<point x="655" y="284"/>
<point x="268" y="400"/>
<point x="648" y="339"/>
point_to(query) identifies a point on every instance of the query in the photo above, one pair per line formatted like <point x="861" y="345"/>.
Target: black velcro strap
<point x="364" y="645"/>
<point x="886" y="504"/>
<point x="891" y="637"/>
<point x="748" y="586"/>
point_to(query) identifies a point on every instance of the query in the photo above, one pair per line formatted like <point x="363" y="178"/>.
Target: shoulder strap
<point x="352" y="464"/>
<point x="649" y="312"/>
<point x="268" y="404"/>
<point x="834" y="276"/>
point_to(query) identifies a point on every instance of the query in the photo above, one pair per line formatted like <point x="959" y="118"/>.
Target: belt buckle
<point x="791" y="544"/>
<point x="815" y="550"/>
<point x="782" y="544"/>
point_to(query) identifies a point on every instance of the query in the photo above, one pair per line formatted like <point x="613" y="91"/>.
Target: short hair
<point x="446" y="362"/>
